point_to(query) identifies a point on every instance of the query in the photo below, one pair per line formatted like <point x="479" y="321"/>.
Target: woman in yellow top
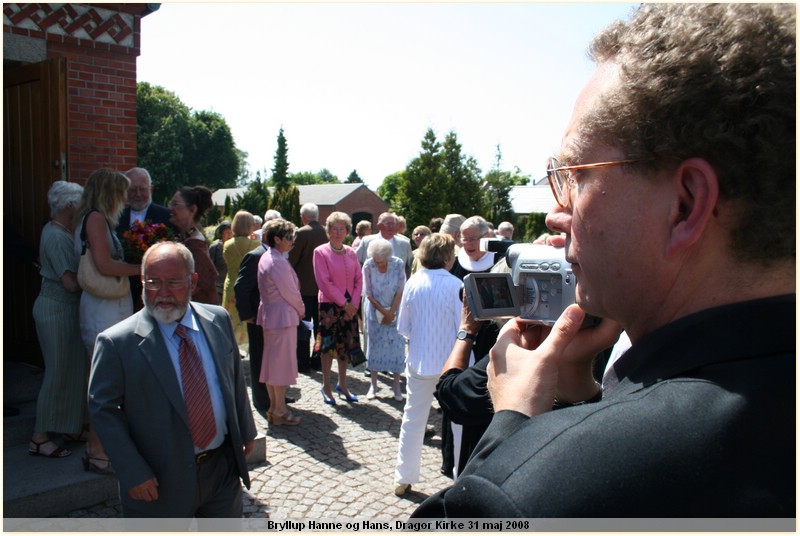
<point x="233" y="251"/>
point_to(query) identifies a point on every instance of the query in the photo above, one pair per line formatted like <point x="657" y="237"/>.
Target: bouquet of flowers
<point x="141" y="236"/>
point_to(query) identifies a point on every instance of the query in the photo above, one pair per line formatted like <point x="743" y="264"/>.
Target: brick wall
<point x="100" y="43"/>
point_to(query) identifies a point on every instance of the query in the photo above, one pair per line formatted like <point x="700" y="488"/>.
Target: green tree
<point x="353" y="178"/>
<point x="280" y="173"/>
<point x="424" y="192"/>
<point x="534" y="226"/>
<point x="463" y="179"/>
<point x="254" y="200"/>
<point x="162" y="122"/>
<point x="213" y="159"/>
<point x="244" y="168"/>
<point x="497" y="185"/>
<point x="497" y="192"/>
<point x="180" y="147"/>
<point x="308" y="177"/>
<point x="390" y="187"/>
<point x="326" y="177"/>
<point x="287" y="202"/>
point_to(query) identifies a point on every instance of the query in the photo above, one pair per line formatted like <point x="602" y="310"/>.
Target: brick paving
<point x="338" y="463"/>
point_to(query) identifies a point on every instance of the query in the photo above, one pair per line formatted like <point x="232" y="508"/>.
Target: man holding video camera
<point x="679" y="159"/>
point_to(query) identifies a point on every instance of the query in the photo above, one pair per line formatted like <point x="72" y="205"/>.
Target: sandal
<point x="76" y="438"/>
<point x="89" y="465"/>
<point x="287" y="418"/>
<point x="57" y="452"/>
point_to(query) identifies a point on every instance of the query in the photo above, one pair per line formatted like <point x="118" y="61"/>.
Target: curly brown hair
<point x="715" y="81"/>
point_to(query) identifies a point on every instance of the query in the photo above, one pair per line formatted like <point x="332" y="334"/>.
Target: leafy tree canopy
<point x="180" y="147"/>
<point x="308" y="177"/>
<point x="390" y="187"/>
<point x="443" y="180"/>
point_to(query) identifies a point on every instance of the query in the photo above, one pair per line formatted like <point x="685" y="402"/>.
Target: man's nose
<point x="559" y="219"/>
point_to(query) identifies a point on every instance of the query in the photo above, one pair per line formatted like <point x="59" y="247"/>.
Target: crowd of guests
<point x="285" y="289"/>
<point x="677" y="423"/>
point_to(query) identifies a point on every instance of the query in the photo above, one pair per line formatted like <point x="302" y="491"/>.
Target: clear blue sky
<point x="356" y="85"/>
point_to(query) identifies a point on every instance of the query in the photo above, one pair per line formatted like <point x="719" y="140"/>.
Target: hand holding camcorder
<point x="538" y="289"/>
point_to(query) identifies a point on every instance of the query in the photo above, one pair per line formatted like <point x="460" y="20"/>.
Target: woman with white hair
<point x="384" y="278"/>
<point x="60" y="406"/>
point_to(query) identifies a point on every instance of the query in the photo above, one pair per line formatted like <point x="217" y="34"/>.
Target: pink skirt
<point x="279" y="360"/>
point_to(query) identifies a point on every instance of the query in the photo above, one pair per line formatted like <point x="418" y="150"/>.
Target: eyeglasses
<point x="172" y="284"/>
<point x="138" y="190"/>
<point x="561" y="180"/>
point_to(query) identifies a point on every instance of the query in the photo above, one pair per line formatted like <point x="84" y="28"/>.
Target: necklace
<point x="190" y="232"/>
<point x="66" y="229"/>
<point x="339" y="251"/>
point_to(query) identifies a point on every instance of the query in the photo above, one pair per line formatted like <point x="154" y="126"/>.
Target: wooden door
<point x="34" y="156"/>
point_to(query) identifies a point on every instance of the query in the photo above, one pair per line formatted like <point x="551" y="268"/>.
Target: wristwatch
<point x="465" y="336"/>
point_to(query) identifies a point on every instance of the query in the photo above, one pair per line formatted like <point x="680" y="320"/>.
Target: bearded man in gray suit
<point x="144" y="407"/>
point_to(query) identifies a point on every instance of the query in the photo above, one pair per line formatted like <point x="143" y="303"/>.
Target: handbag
<point x="107" y="287"/>
<point x="356" y="356"/>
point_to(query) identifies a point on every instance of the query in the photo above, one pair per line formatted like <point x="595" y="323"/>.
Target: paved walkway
<point x="338" y="463"/>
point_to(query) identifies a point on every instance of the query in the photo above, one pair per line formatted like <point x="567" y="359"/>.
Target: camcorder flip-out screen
<point x="491" y="295"/>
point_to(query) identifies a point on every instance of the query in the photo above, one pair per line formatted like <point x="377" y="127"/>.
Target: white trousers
<point x="457" y="430"/>
<point x="419" y="397"/>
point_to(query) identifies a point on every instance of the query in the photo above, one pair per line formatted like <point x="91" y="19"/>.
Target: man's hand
<point x="146" y="491"/>
<point x="248" y="448"/>
<point x="532" y="365"/>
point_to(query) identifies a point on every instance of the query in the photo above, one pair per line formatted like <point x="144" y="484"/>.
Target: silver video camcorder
<point x="538" y="289"/>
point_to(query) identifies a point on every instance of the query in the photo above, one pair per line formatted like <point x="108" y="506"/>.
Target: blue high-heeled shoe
<point x="329" y="401"/>
<point x="349" y="398"/>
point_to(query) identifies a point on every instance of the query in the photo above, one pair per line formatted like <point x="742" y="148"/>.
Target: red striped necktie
<point x="195" y="391"/>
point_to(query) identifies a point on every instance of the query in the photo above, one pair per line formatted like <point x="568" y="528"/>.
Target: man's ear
<point x="697" y="192"/>
<point x="195" y="277"/>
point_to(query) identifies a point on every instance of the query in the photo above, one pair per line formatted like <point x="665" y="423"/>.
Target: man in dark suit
<point x="141" y="207"/>
<point x="684" y="236"/>
<point x="301" y="257"/>
<point x="168" y="399"/>
<point x="247" y="299"/>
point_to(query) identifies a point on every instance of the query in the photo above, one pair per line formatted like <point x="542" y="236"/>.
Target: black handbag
<point x="356" y="356"/>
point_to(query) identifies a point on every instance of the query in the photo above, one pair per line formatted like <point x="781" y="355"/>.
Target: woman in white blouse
<point x="429" y="317"/>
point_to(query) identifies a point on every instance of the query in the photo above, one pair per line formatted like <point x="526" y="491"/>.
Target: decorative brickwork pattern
<point x="79" y="21"/>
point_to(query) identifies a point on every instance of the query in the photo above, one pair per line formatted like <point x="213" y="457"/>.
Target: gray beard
<point x="161" y="315"/>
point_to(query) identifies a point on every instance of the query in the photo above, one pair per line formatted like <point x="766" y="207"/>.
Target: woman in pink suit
<point x="338" y="275"/>
<point x="279" y="313"/>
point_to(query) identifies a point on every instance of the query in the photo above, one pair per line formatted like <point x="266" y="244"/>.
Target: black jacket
<point x="246" y="286"/>
<point x="701" y="425"/>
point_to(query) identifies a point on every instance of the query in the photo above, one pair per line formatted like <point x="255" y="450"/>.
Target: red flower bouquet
<point x="141" y="236"/>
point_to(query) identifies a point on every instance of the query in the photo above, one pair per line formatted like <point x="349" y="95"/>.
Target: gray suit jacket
<point x="137" y="409"/>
